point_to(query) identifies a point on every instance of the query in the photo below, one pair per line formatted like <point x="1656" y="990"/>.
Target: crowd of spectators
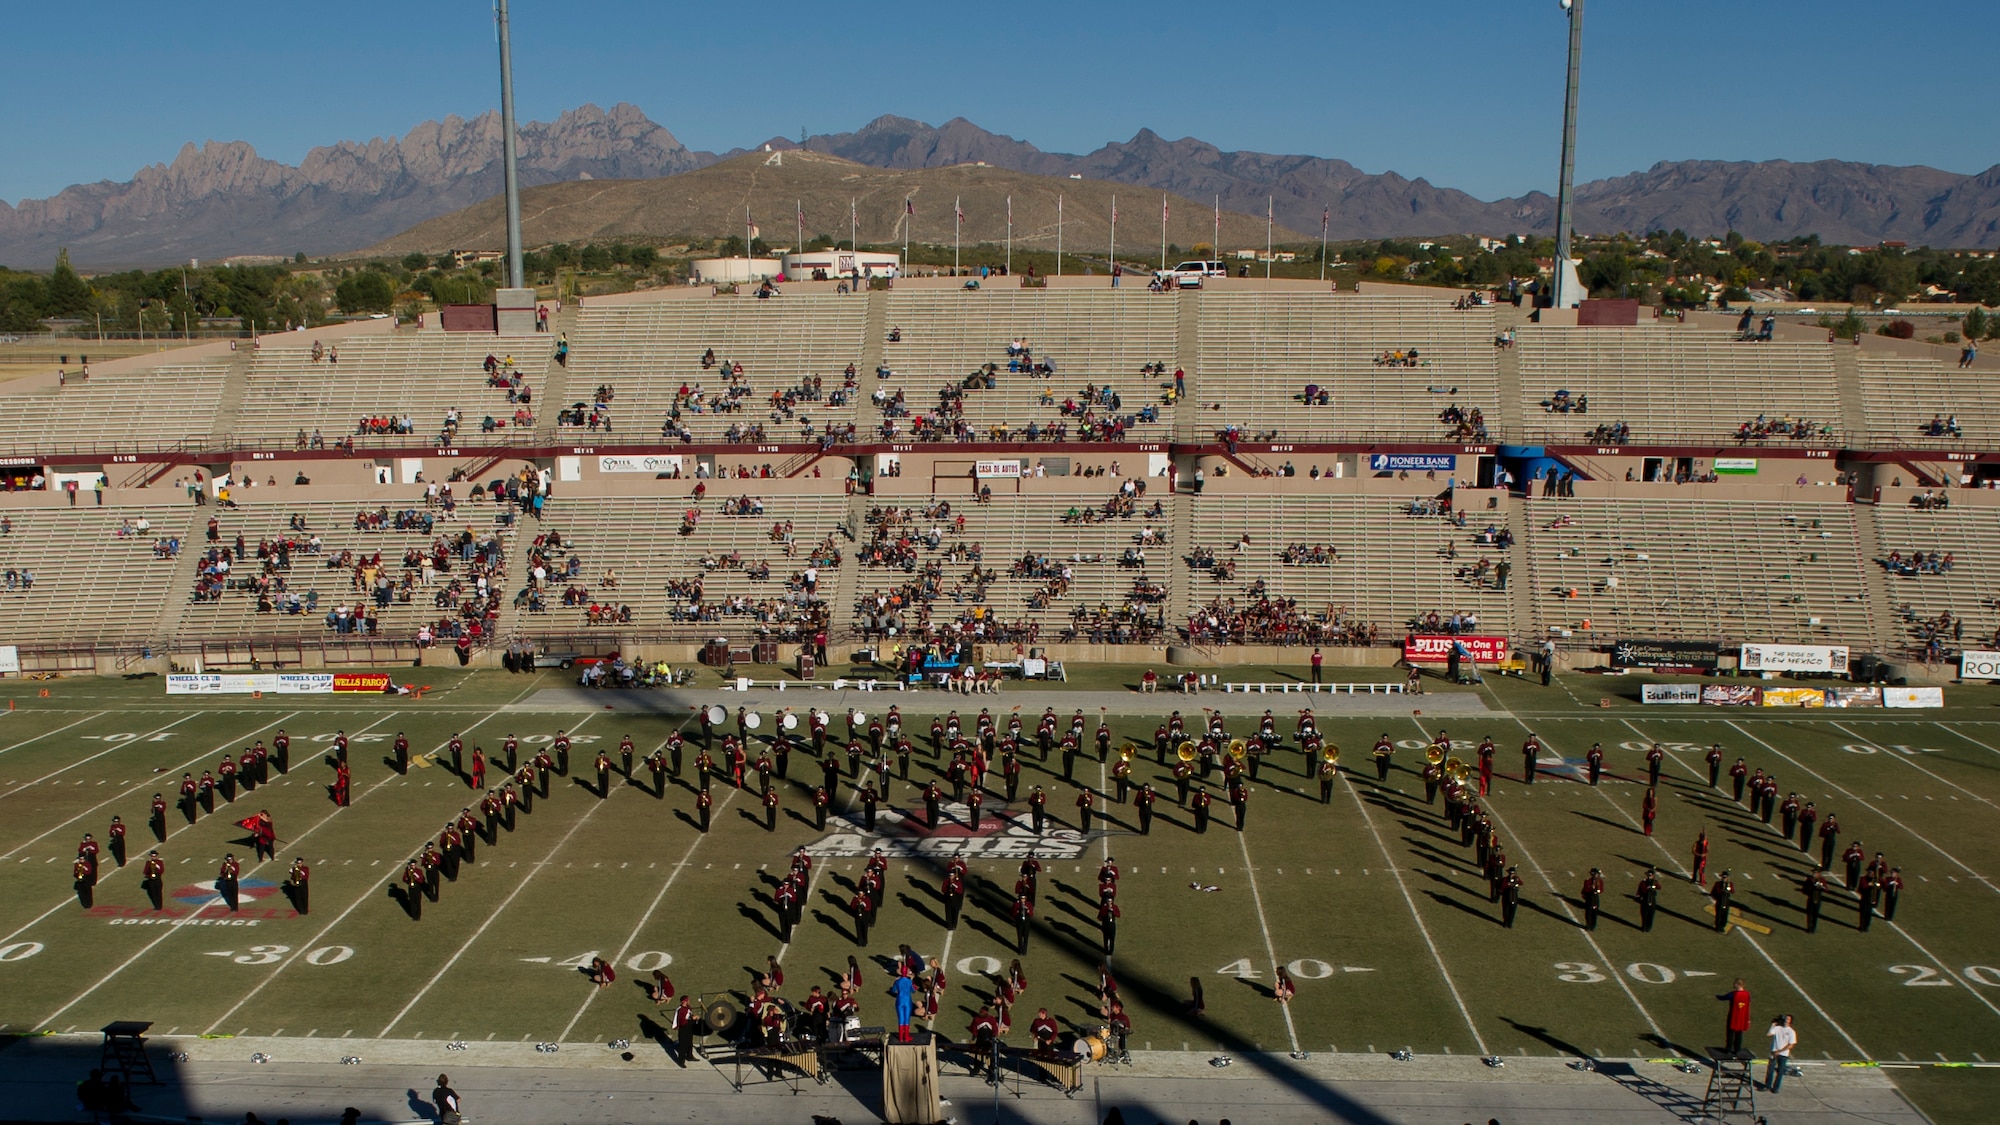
<point x="1609" y="433"/>
<point x="1262" y="619"/>
<point x="1562" y="402"/>
<point x="1918" y="562"/>
<point x="1942" y="425"/>
<point x="1462" y="424"/>
<point x="1929" y="501"/>
<point x="1401" y="357"/>
<point x="1763" y="428"/>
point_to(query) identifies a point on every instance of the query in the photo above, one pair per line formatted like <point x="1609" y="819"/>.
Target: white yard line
<point x="53" y="733"/>
<point x="1270" y="948"/>
<point x="498" y="910"/>
<point x="114" y="748"/>
<point x="1966" y="737"/>
<point x="1437" y="957"/>
<point x="633" y="937"/>
<point x="252" y="870"/>
<point x="1741" y="931"/>
<point x="1589" y="939"/>
<point x="204" y="756"/>
<point x="1863" y="802"/>
<point x="366" y="896"/>
<point x="1911" y="762"/>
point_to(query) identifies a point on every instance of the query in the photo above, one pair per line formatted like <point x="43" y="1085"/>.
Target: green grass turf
<point x="1371" y="900"/>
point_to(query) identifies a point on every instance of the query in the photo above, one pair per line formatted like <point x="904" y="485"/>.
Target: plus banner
<point x="1425" y="648"/>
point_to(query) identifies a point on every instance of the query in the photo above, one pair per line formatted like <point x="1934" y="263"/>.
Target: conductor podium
<point x="1731" y="1087"/>
<point x="910" y="1081"/>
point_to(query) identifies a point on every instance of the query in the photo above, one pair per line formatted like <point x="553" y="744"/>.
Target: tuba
<point x="1435" y="754"/>
<point x="1186" y="752"/>
<point x="1127" y="752"/>
<point x="1330" y="755"/>
<point x="1239" y="749"/>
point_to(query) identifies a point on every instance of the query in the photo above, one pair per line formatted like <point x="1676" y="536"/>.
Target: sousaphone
<point x="1239" y="749"/>
<point x="1434" y="754"/>
<point x="1330" y="755"/>
<point x="1186" y="752"/>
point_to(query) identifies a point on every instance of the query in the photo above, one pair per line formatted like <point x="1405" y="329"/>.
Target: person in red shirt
<point x="298" y="885"/>
<point x="1044" y="1030"/>
<point x="1648" y="809"/>
<point x="1738" y="1019"/>
<point x="158" y="818"/>
<point x="228" y="881"/>
<point x="478" y="779"/>
<point x="152" y="878"/>
<point x="263" y="835"/>
<point x="1700" y="872"/>
<point x="342" y="784"/>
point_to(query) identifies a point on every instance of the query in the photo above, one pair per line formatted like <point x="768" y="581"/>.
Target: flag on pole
<point x="910" y="206"/>
<point x="1325" y="216"/>
<point x="1010" y="210"/>
<point x="957" y="210"/>
<point x="1163" y="210"/>
<point x="802" y="215"/>
<point x="1114" y="210"/>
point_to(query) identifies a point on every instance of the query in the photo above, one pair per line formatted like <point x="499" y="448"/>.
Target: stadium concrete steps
<point x="1508" y="423"/>
<point x="874" y="333"/>
<point x="1847" y="388"/>
<point x="1187" y="348"/>
<point x="554" y="388"/>
<point x="1875" y="580"/>
<point x="234" y="386"/>
<point x="186" y="568"/>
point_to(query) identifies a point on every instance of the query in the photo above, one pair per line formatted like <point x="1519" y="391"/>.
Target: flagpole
<point x="1114" y="231"/>
<point x="1163" y="232"/>
<point x="957" y="221"/>
<point x="1059" y="218"/>
<point x="1217" y="248"/>
<point x="1010" y="234"/>
<point x="799" y="209"/>
<point x="749" y="232"/>
<point x="909" y="220"/>
<point x="1324" y="215"/>
<point x="1270" y="211"/>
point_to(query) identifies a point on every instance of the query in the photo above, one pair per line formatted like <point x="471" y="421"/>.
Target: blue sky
<point x="1465" y="93"/>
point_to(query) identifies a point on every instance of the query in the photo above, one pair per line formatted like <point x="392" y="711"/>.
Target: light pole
<point x="511" y="173"/>
<point x="1569" y="291"/>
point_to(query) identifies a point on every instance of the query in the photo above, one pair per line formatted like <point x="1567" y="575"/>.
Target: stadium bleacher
<point x="1738" y="560"/>
<point x="1672" y="385"/>
<point x="1258" y="353"/>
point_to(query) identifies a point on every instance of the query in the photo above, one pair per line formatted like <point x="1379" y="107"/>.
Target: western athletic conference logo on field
<point x="1004" y="834"/>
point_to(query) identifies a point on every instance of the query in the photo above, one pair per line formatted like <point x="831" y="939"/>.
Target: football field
<point x="1369" y="901"/>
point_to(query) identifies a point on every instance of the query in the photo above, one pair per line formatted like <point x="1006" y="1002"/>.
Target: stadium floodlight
<point x="510" y="157"/>
<point x="1569" y="291"/>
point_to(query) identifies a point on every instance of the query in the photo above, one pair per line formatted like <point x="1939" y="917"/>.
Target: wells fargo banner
<point x="346" y="683"/>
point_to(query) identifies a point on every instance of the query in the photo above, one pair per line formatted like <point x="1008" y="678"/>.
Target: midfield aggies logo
<point x="1006" y="834"/>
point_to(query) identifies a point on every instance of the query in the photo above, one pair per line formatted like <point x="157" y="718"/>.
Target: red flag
<point x="802" y="216"/>
<point x="250" y="823"/>
<point x="1163" y="210"/>
<point x="959" y="211"/>
<point x="909" y="205"/>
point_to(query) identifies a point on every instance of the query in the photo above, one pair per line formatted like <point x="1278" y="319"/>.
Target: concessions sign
<point x="1979" y="665"/>
<point x="1692" y="656"/>
<point x="1436" y="649"/>
<point x="1794" y="658"/>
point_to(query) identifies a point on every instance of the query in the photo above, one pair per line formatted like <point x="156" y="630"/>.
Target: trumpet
<point x="1239" y="749"/>
<point x="1435" y="754"/>
<point x="1186" y="751"/>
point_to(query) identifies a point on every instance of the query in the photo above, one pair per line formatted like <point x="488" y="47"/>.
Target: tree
<point x="65" y="294"/>
<point x="1975" y="323"/>
<point x="415" y="261"/>
<point x="365" y="292"/>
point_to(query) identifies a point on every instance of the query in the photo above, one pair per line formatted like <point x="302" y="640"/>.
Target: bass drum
<point x="1088" y="1048"/>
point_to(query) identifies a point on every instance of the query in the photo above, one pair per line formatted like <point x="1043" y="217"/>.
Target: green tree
<point x="365" y="292"/>
<point x="65" y="294"/>
<point x="1975" y="324"/>
<point x="415" y="261"/>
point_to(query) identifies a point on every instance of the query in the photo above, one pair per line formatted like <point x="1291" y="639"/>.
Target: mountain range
<point x="221" y="198"/>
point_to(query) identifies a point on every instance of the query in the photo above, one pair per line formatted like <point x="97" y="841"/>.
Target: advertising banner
<point x="997" y="470"/>
<point x="221" y="683"/>
<point x="1913" y="697"/>
<point x="1794" y="658"/>
<point x="10" y="660"/>
<point x="1858" y="696"/>
<point x="1429" y="649"/>
<point x="1414" y="462"/>
<point x="305" y="683"/>
<point x="1670" y="693"/>
<point x="359" y="682"/>
<point x="1699" y="655"/>
<point x="1736" y="466"/>
<point x="1794" y="697"/>
<point x="1731" y="695"/>
<point x="638" y="464"/>
<point x="1980" y="665"/>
